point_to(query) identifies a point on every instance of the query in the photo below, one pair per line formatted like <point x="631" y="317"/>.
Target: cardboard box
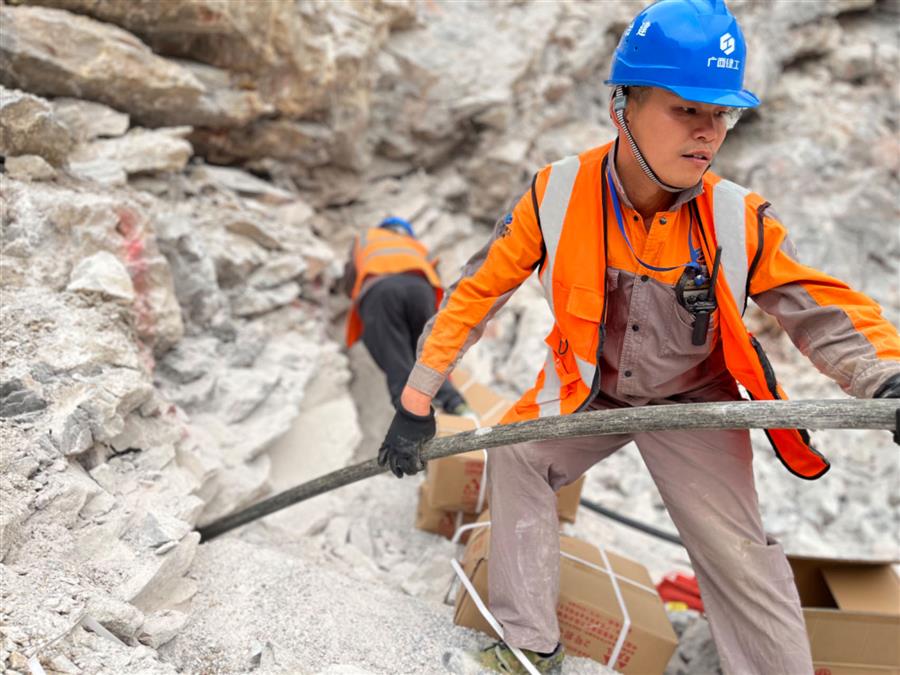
<point x="439" y="521"/>
<point x="487" y="404"/>
<point x="448" y="425"/>
<point x="567" y="500"/>
<point x="589" y="614"/>
<point x="852" y="613"/>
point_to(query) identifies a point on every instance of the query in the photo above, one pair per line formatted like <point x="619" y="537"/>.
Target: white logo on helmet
<point x="642" y="31"/>
<point x="726" y="43"/>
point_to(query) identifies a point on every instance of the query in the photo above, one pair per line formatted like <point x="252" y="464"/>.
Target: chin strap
<point x="620" y="98"/>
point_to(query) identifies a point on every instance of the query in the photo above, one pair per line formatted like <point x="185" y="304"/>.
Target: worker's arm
<point x="841" y="331"/>
<point x="488" y="280"/>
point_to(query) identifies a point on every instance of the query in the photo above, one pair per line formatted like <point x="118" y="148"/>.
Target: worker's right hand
<point x="405" y="437"/>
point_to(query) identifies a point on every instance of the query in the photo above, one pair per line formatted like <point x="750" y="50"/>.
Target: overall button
<point x="663" y="221"/>
<point x="636" y="217"/>
<point x="634" y="326"/>
<point x="644" y="277"/>
<point x="627" y="373"/>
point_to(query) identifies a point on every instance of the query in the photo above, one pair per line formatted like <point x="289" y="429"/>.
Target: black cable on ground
<point x="630" y="522"/>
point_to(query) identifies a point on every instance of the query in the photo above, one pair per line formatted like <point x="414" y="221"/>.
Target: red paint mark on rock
<point x="135" y="254"/>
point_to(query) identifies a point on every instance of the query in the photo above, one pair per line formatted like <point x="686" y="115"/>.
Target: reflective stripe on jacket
<point x="568" y="248"/>
<point x="380" y="251"/>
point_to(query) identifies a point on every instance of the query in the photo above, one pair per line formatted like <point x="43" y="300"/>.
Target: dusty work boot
<point x="499" y="657"/>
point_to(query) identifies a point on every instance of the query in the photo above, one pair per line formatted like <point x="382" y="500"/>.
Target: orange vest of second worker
<point x="568" y="241"/>
<point x="381" y="251"/>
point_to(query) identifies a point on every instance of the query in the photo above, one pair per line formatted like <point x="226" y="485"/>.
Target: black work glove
<point x="405" y="437"/>
<point x="891" y="389"/>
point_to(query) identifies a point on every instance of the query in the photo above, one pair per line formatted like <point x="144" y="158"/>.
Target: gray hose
<point x="827" y="414"/>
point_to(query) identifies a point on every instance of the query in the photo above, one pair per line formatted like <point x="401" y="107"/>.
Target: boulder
<point x="28" y="125"/>
<point x="87" y="120"/>
<point x="29" y="167"/>
<point x="104" y="274"/>
<point x="138" y="151"/>
<point x="53" y="52"/>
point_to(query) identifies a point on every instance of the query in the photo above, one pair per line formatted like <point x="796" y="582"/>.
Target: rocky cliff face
<point x="180" y="182"/>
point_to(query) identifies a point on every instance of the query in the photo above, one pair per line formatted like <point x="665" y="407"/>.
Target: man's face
<point x="679" y="138"/>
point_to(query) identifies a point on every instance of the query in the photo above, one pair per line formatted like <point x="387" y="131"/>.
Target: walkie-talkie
<point x="703" y="307"/>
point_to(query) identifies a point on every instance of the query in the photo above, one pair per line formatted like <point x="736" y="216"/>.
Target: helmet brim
<point x="726" y="97"/>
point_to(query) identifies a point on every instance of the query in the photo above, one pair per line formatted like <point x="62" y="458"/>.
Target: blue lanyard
<point x="695" y="252"/>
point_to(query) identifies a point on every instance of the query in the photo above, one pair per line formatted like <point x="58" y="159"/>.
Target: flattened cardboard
<point x="588" y="611"/>
<point x="852" y="613"/>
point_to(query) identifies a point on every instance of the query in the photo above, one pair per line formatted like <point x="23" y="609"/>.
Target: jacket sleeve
<point x="488" y="280"/>
<point x="840" y="330"/>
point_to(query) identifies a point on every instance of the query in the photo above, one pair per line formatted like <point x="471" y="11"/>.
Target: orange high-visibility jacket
<point x="381" y="251"/>
<point x="557" y="228"/>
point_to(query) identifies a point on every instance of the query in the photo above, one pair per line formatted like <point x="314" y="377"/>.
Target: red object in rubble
<point x="677" y="587"/>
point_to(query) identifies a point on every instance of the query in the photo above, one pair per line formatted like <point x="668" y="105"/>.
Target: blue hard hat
<point x="398" y="225"/>
<point x="693" y="48"/>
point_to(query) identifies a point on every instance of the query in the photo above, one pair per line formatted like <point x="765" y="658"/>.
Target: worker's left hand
<point x="405" y="437"/>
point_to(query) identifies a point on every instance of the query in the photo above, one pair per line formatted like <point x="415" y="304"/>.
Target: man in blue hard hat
<point x="395" y="289"/>
<point x="647" y="260"/>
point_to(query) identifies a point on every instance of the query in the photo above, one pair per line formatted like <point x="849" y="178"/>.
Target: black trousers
<point x="394" y="312"/>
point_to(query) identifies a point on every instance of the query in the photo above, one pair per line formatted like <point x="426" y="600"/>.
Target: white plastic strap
<point x="626" y="617"/>
<point x="486" y="613"/>
<point x="479" y="506"/>
<point x="619" y="577"/>
<point x="466" y="528"/>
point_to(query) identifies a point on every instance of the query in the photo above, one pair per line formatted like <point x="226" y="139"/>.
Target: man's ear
<point x="612" y="113"/>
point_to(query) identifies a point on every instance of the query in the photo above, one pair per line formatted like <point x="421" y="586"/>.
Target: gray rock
<point x="138" y="151"/>
<point x="160" y="627"/>
<point x="16" y="399"/>
<point x="149" y="587"/>
<point x="105" y="274"/>
<point x="241" y="182"/>
<point x="120" y="618"/>
<point x="28" y="126"/>
<point x="696" y="651"/>
<point x="243" y="391"/>
<point x="29" y="167"/>
<point x="189" y="360"/>
<point x="253" y="302"/>
<point x="87" y="120"/>
<point x="15" y="511"/>
<point x="55" y="53"/>
<point x="156" y="529"/>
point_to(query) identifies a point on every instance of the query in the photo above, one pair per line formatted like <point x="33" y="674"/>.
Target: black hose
<point x="630" y="522"/>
